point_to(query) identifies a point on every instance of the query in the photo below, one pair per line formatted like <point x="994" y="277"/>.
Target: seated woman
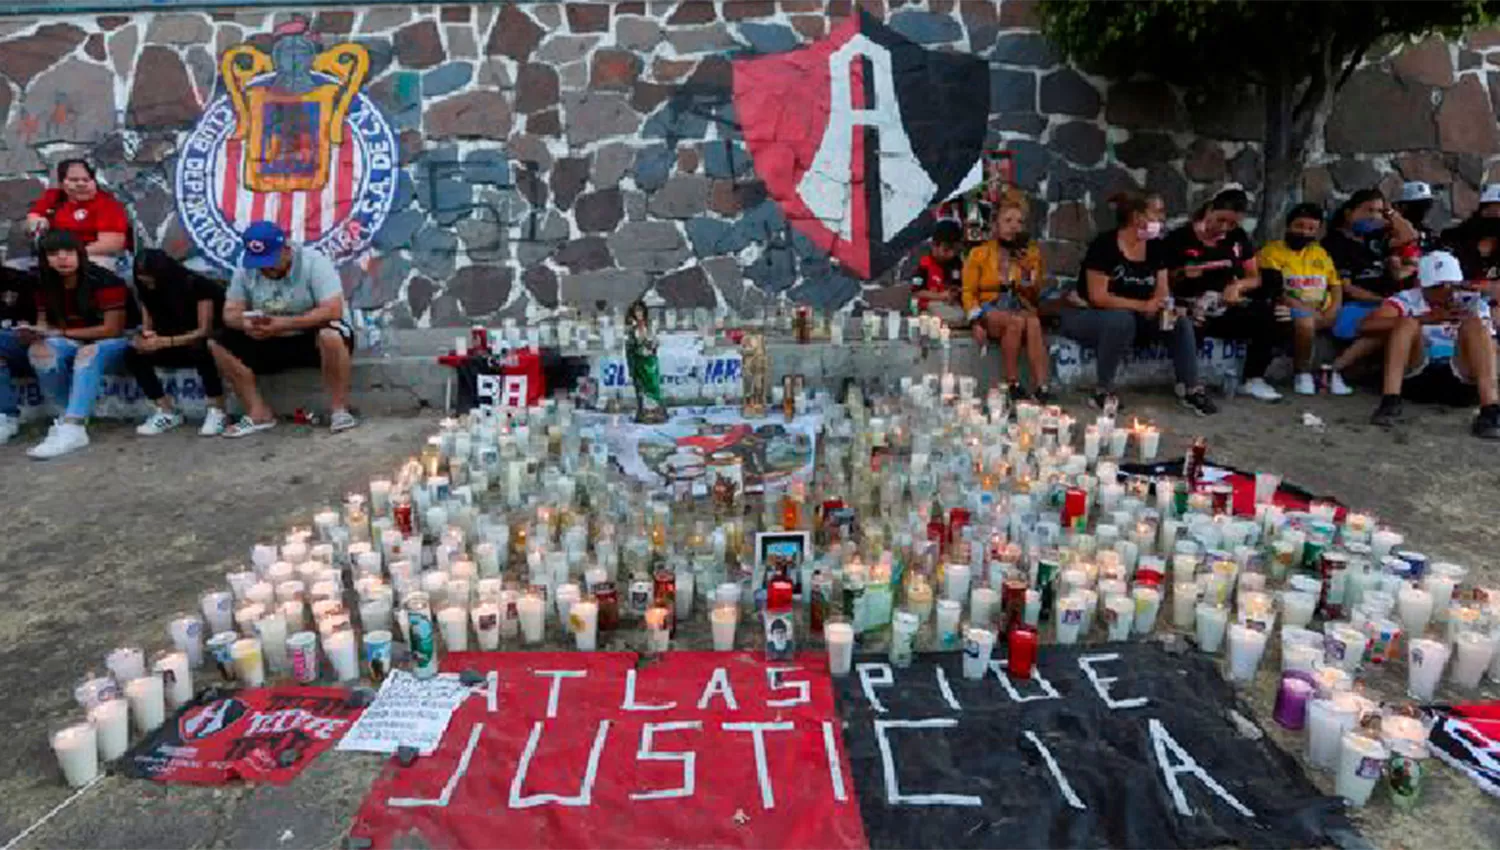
<point x="84" y="312"/>
<point x="1002" y="283"/>
<point x="1372" y="247"/>
<point x="1475" y="241"/>
<point x="1213" y="271"/>
<point x="1124" y="286"/>
<point x="179" y="312"/>
<point x="78" y="206"/>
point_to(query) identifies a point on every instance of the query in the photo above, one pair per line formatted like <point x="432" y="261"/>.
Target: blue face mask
<point x="1367" y="226"/>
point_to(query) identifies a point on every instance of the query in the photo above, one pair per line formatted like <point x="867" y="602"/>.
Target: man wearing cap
<point x="1438" y="320"/>
<point x="1414" y="203"/>
<point x="284" y="310"/>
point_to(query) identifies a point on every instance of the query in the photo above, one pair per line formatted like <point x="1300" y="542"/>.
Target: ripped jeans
<point x="69" y="372"/>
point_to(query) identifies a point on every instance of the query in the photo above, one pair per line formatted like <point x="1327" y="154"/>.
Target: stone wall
<point x="568" y="153"/>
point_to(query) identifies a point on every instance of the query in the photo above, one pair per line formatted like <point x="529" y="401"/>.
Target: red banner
<point x="262" y="735"/>
<point x="578" y="750"/>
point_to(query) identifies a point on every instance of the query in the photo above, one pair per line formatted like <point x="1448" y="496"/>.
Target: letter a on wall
<point x="857" y="136"/>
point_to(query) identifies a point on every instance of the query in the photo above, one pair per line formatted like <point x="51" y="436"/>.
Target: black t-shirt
<point x="1361" y="262"/>
<point x="1463" y="240"/>
<point x="1127" y="278"/>
<point x="173" y="303"/>
<point x="1220" y="264"/>
<point x="17" y="297"/>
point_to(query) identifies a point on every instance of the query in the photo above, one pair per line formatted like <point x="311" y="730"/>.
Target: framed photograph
<point x="782" y="551"/>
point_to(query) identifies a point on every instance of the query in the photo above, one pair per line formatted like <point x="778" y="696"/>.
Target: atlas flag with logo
<point x="857" y="136"/>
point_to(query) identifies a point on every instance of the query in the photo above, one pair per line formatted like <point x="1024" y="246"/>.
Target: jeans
<point x="1255" y="322"/>
<point x="1111" y="333"/>
<point x="67" y="383"/>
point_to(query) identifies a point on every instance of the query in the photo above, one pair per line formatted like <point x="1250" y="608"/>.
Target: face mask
<point x="1016" y="241"/>
<point x="1367" y="226"/>
<point x="1297" y="241"/>
<point x="1150" y="230"/>
<point x="1489" y="227"/>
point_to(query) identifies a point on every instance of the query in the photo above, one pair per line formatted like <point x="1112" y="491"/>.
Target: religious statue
<point x="755" y="371"/>
<point x="645" y="369"/>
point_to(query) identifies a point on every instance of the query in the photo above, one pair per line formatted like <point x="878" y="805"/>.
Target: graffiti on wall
<point x="292" y="140"/>
<point x="859" y="135"/>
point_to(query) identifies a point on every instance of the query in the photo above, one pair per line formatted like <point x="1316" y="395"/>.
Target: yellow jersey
<point x="1309" y="275"/>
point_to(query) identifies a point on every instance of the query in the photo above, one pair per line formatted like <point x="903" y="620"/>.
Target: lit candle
<point x="1297" y="607"/>
<point x="126" y="663"/>
<point x="272" y="631"/>
<point x="1301" y="649"/>
<point x="982" y="604"/>
<point x="658" y="638"/>
<point x="725" y="616"/>
<point x="1292" y="698"/>
<point x="1211" y="622"/>
<point x="919" y="597"/>
<point x="454" y="621"/>
<point x="343" y="654"/>
<point x="1440" y="581"/>
<point x="1184" y="600"/>
<point x="148" y="707"/>
<point x="176" y="676"/>
<point x="1091" y="442"/>
<point x="1147" y="605"/>
<point x="1328" y="718"/>
<point x="1246" y="646"/>
<point x="77" y="749"/>
<point x="249" y="664"/>
<point x="838" y="635"/>
<point x="583" y="617"/>
<point x="531" y="611"/>
<point x="1415" y="607"/>
<point x="956" y="582"/>
<point x="1425" y="660"/>
<point x="1149" y="442"/>
<point x="1118" y="438"/>
<point x="1361" y="763"/>
<point x="1474" y="652"/>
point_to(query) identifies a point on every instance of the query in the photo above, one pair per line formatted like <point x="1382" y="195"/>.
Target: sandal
<point x="245" y="426"/>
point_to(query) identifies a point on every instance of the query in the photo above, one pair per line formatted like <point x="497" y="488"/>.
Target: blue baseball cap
<point x="263" y="243"/>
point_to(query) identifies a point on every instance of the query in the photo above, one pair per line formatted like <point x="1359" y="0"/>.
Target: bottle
<point x="424" y="657"/>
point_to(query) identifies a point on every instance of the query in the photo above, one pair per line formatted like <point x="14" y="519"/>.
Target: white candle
<point x="725" y="617"/>
<point x="583" y="616"/>
<point x="1301" y="649"/>
<point x="839" y="637"/>
<point x="111" y="720"/>
<point x="1327" y="721"/>
<point x="486" y="617"/>
<point x="1119" y="616"/>
<point x="272" y="630"/>
<point x="978" y="646"/>
<point x="249" y="664"/>
<point x="946" y="622"/>
<point x="375" y="614"/>
<point x="126" y="663"/>
<point x="294" y="553"/>
<point x="1474" y="652"/>
<point x="658" y="636"/>
<point x="148" y="707"/>
<point x="1440" y="581"/>
<point x="1147" y="602"/>
<point x="684" y="597"/>
<point x="1297" y="607"/>
<point x="1361" y="762"/>
<point x="176" y="676"/>
<point x="531" y="610"/>
<point x="1344" y="645"/>
<point x="186" y="631"/>
<point x="380" y="496"/>
<point x="1150" y="442"/>
<point x="1415" y="608"/>
<point x="1069" y="618"/>
<point x="343" y="654"/>
<point x="1246" y="646"/>
<point x="488" y="556"/>
<point x="1118" y="439"/>
<point x="77" y="749"/>
<point x="1211" y="623"/>
<point x="1091" y="442"/>
<point x="454" y="621"/>
<point x="1031" y="612"/>
<point x="1382" y="542"/>
<point x="262" y="556"/>
<point x="956" y="582"/>
<point x="1184" y="598"/>
<point x="1425" y="660"/>
<point x="982" y="604"/>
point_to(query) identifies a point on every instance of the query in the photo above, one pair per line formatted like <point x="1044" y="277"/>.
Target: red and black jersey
<point x="932" y="280"/>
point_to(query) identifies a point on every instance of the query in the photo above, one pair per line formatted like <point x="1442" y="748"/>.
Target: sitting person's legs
<point x="12" y="350"/>
<point x="52" y="361"/>
<point x="1005" y="327"/>
<point x="1110" y="333"/>
<point x="1037" y="355"/>
<point x="1405" y="357"/>
<point x="241" y="359"/>
<point x="1182" y="341"/>
<point x="90" y="365"/>
<point x="143" y="366"/>
<point x="1253" y="322"/>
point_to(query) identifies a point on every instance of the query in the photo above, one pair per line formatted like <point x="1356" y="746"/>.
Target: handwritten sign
<point x="407" y="712"/>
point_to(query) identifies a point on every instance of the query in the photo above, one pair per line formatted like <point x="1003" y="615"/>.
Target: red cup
<point x="1022" y="653"/>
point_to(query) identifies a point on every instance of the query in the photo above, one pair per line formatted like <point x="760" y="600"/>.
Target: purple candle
<point x="1291" y="699"/>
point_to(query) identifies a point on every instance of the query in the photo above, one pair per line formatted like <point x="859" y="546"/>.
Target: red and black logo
<point x="859" y="135"/>
<point x="208" y="720"/>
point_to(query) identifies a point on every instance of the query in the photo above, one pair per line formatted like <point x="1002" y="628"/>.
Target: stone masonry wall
<point x="568" y="153"/>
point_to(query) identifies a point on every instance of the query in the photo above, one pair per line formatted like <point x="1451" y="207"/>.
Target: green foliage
<point x="1204" y="41"/>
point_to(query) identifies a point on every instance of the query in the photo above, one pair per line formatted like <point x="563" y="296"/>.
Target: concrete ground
<point x="102" y="547"/>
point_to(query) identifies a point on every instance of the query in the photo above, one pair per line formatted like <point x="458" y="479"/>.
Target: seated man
<point x="1425" y="325"/>
<point x="284" y="309"/>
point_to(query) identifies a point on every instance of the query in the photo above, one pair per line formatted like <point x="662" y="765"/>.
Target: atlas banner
<point x="260" y="735"/>
<point x="1118" y="745"/>
<point x="581" y="750"/>
<point x="683" y="454"/>
<point x="1467" y="737"/>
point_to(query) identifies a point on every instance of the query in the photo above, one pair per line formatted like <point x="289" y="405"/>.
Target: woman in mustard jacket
<point x="1001" y="283"/>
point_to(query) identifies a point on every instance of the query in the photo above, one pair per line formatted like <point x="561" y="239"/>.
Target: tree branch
<point x="1353" y="62"/>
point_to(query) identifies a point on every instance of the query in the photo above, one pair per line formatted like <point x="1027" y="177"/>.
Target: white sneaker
<point x="1337" y="386"/>
<point x="159" y="422"/>
<point x="1305" y="385"/>
<point x="213" y="423"/>
<point x="1259" y="389"/>
<point x="63" y="438"/>
<point x="9" y="425"/>
<point x="341" y="420"/>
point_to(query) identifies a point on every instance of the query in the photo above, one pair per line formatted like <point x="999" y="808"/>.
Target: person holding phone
<point x="284" y="310"/>
<point x="180" y="311"/>
<point x="83" y="311"/>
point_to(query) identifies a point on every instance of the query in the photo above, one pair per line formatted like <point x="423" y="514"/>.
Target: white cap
<point x="1439" y="268"/>
<point x="1416" y="190"/>
<point x="1490" y="194"/>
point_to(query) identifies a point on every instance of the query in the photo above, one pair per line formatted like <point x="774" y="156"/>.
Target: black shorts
<point x="277" y="354"/>
<point x="1440" y="382"/>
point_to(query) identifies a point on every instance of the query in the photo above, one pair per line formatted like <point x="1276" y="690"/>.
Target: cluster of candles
<point x="973" y="520"/>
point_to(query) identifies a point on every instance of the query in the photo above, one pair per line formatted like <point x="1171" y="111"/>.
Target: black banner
<point x="1120" y="745"/>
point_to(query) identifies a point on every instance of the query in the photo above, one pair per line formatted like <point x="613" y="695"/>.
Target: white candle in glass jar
<point x="176" y="676"/>
<point x="583" y="617"/>
<point x="1210" y="625"/>
<point x="1440" y="581"/>
<point x="723" y="620"/>
<point x="249" y="664"/>
<point x="1425" y="660"/>
<point x="272" y="631"/>
<point x="531" y="611"/>
<point x="148" y="705"/>
<point x="454" y="622"/>
<point x="1360" y="766"/>
<point x="1327" y="721"/>
<point x="1147" y="602"/>
<point x="1474" y="651"/>
<point x="77" y="749"/>
<point x="486" y="617"/>
<point x="111" y="720"/>
<point x="343" y="654"/>
<point x="1415" y="608"/>
<point x="1246" y="647"/>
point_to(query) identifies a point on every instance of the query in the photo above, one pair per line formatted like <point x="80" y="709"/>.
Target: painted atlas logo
<point x="208" y="720"/>
<point x="857" y="136"/>
<point x="294" y="141"/>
